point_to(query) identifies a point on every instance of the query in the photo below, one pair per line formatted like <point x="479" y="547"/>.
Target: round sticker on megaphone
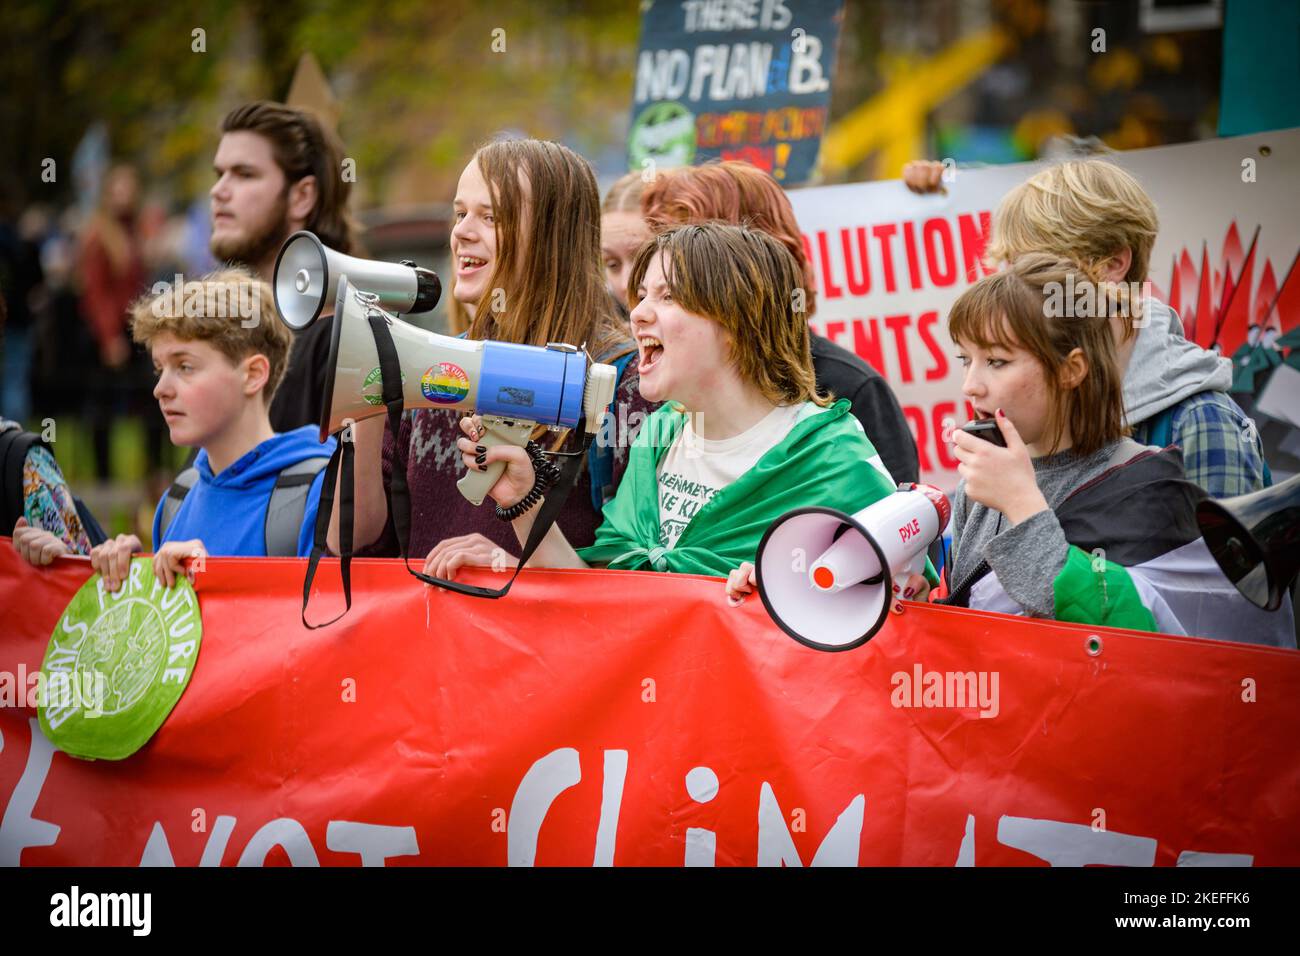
<point x="117" y="663"/>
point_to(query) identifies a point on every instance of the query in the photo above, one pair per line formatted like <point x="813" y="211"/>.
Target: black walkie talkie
<point x="986" y="428"/>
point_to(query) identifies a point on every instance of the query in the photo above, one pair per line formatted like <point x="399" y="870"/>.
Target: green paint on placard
<point x="117" y="664"/>
<point x="663" y="133"/>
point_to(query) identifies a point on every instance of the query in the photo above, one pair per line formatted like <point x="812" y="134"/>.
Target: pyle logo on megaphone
<point x="910" y="529"/>
<point x="843" y="597"/>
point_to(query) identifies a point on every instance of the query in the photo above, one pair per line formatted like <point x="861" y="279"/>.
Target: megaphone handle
<point x="476" y="484"/>
<point x="915" y="566"/>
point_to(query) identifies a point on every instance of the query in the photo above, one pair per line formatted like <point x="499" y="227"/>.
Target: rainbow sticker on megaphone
<point x="445" y="384"/>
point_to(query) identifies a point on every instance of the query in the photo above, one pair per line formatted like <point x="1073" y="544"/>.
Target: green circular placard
<point x="117" y="663"/>
<point x="662" y="132"/>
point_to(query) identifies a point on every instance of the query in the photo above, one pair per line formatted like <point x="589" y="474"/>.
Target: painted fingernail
<point x="480" y="459"/>
<point x="895" y="588"/>
<point x="908" y="592"/>
<point x="480" y="449"/>
<point x="482" y="467"/>
<point x="999" y="413"/>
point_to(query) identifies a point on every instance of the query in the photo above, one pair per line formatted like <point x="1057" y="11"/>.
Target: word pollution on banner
<point x="689" y="733"/>
<point x="734" y="80"/>
<point x="889" y="264"/>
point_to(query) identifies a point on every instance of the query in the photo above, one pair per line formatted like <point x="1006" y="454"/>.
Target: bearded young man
<point x="279" y="170"/>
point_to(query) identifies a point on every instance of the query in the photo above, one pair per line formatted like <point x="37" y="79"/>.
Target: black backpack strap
<point x="94" y="532"/>
<point x="14" y="446"/>
<point x="287" y="505"/>
<point x="186" y="480"/>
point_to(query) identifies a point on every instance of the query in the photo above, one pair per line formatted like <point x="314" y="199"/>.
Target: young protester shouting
<point x="251" y="492"/>
<point x="1071" y="519"/>
<point x="744" y="435"/>
<point x="1175" y="392"/>
<point x="526" y="250"/>
<point x="742" y="194"/>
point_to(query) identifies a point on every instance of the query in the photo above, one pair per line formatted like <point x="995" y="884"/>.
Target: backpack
<point x="284" y="509"/>
<point x="15" y="445"/>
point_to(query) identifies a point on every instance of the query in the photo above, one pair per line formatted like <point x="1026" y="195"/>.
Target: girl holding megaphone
<point x="1065" y="517"/>
<point x="744" y="434"/>
<point x="526" y="256"/>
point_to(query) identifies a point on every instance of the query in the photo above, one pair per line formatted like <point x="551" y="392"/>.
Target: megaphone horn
<point x="307" y="273"/>
<point x="826" y="577"/>
<point x="1256" y="540"/>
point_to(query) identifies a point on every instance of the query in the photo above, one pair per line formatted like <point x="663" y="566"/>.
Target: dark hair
<point x="303" y="146"/>
<point x="1023" y="307"/>
<point x="745" y="280"/>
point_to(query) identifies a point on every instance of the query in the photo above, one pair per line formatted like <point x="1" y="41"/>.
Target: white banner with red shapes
<point x="889" y="264"/>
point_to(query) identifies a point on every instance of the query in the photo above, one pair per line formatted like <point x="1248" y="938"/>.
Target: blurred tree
<point x="420" y="84"/>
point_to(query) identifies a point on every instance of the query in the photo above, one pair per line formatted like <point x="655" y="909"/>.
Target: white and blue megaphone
<point x="827" y="578"/>
<point x="514" y="388"/>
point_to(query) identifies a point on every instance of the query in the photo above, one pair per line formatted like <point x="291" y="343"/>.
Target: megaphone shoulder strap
<point x="342" y="460"/>
<point x="400" y="499"/>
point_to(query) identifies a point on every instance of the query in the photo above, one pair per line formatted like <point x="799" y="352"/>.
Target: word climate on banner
<point x="734" y="79"/>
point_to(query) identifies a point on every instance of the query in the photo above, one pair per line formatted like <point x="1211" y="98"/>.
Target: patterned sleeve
<point x="48" y="501"/>
<point x="1221" y="449"/>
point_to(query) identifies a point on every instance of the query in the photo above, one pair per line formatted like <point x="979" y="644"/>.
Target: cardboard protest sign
<point x="747" y="81"/>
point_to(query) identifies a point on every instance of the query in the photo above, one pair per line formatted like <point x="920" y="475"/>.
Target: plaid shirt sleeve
<point x="1221" y="447"/>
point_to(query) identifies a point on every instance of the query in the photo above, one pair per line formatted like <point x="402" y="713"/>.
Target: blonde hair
<point x="119" y="245"/>
<point x="173" y="312"/>
<point x="1084" y="209"/>
<point x="624" y="195"/>
<point x="745" y="280"/>
<point x="1013" y="309"/>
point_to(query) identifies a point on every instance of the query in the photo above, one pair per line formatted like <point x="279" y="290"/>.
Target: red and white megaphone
<point x="827" y="577"/>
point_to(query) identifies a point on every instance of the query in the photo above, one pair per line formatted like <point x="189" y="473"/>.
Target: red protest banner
<point x="633" y="718"/>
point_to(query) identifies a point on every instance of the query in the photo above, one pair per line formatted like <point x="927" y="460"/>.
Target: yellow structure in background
<point x="893" y="121"/>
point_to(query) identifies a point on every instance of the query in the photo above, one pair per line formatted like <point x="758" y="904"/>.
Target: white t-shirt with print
<point x="695" y="469"/>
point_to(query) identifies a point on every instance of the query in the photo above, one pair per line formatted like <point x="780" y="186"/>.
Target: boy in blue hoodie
<point x="220" y="351"/>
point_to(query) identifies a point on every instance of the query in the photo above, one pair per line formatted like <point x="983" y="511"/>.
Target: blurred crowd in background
<point x="109" y="159"/>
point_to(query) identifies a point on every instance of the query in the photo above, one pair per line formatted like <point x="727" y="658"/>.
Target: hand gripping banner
<point x="600" y="718"/>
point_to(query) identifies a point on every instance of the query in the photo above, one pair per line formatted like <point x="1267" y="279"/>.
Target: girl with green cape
<point x="743" y="436"/>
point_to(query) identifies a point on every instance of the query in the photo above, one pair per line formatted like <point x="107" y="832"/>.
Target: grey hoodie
<point x="1165" y="368"/>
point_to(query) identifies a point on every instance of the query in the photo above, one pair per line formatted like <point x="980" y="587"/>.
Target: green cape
<point x="824" y="460"/>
